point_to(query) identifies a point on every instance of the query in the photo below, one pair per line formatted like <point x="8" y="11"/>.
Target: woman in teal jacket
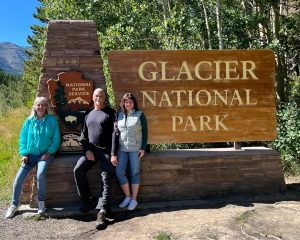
<point x="39" y="140"/>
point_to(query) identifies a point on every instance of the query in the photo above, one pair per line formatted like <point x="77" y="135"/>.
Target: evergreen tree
<point x="60" y="97"/>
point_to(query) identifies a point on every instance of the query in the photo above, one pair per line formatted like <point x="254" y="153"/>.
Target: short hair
<point x="125" y="97"/>
<point x="100" y="90"/>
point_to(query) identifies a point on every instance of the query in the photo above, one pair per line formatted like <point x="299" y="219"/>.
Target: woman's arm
<point x="144" y="131"/>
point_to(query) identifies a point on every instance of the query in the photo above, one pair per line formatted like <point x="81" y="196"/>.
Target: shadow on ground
<point x="246" y="200"/>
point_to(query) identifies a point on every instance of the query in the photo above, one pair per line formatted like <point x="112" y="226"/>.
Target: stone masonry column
<point x="71" y="45"/>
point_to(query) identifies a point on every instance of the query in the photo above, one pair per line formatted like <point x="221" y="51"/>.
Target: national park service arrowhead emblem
<point x="70" y="96"/>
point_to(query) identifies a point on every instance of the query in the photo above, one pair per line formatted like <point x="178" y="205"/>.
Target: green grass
<point x="36" y="217"/>
<point x="243" y="218"/>
<point x="163" y="236"/>
<point x="10" y="127"/>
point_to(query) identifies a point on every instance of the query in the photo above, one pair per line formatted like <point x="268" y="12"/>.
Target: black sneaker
<point x="90" y="205"/>
<point x="85" y="208"/>
<point x="101" y="223"/>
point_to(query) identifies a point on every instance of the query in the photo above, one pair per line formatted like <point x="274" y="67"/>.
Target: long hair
<point x="38" y="100"/>
<point x="125" y="97"/>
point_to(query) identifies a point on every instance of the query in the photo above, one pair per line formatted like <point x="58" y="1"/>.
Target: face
<point x="41" y="109"/>
<point x="128" y="104"/>
<point x="98" y="98"/>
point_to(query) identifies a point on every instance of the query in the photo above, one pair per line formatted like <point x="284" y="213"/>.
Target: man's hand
<point x="90" y="155"/>
<point x="114" y="160"/>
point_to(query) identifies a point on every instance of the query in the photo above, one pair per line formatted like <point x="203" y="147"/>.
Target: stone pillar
<point x="71" y="46"/>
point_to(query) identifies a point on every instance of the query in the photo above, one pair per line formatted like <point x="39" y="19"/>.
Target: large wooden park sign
<point x="200" y="96"/>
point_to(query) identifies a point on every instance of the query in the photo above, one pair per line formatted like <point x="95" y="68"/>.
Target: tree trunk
<point x="219" y="25"/>
<point x="281" y="72"/>
<point x="207" y="25"/>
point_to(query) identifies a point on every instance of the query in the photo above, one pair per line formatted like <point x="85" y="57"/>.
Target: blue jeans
<point x="41" y="177"/>
<point x="134" y="164"/>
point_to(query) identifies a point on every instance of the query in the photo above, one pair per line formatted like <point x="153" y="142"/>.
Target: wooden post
<point x="237" y="145"/>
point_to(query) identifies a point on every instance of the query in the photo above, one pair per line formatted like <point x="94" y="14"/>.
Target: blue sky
<point x="16" y="19"/>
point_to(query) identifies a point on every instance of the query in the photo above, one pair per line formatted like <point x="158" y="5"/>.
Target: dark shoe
<point x="85" y="208"/>
<point x="110" y="214"/>
<point x="93" y="202"/>
<point x="88" y="206"/>
<point x="101" y="223"/>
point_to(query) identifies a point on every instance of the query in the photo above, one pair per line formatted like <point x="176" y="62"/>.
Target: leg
<point x="126" y="190"/>
<point x="19" y="180"/>
<point x="80" y="170"/>
<point x="134" y="173"/>
<point x="41" y="177"/>
<point x="107" y="172"/>
<point x="135" y="190"/>
<point x="121" y="172"/>
<point x="106" y="193"/>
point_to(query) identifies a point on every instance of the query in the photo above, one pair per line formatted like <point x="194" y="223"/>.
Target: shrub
<point x="288" y="138"/>
<point x="10" y="126"/>
<point x="14" y="92"/>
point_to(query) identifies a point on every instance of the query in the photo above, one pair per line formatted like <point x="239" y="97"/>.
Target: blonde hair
<point x="38" y="100"/>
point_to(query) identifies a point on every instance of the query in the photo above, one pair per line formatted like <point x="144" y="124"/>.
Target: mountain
<point x="78" y="100"/>
<point x="12" y="57"/>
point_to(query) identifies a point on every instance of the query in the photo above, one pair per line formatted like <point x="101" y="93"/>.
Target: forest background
<point x="167" y="25"/>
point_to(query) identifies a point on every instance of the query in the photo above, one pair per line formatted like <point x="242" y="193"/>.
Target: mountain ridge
<point x="12" y="58"/>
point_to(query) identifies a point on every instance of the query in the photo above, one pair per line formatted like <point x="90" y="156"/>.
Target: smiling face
<point x="99" y="98"/>
<point x="128" y="104"/>
<point x="41" y="108"/>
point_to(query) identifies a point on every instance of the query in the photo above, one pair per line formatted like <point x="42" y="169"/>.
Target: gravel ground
<point x="275" y="216"/>
<point x="26" y="227"/>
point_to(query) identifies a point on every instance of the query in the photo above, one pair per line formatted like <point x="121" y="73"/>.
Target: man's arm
<point x="84" y="137"/>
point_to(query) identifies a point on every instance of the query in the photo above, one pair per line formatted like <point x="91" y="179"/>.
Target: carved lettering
<point x="204" y="123"/>
<point x="204" y="71"/>
<point x="183" y="98"/>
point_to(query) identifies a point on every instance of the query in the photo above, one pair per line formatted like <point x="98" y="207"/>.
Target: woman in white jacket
<point x="133" y="135"/>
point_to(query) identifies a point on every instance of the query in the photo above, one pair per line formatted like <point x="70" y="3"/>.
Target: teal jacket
<point x="38" y="139"/>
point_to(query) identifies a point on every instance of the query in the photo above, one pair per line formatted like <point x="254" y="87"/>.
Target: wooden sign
<point x="70" y="96"/>
<point x="200" y="96"/>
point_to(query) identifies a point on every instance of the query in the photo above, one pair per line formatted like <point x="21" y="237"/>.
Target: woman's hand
<point x="114" y="160"/>
<point x="90" y="155"/>
<point x="24" y="159"/>
<point x="141" y="153"/>
<point x="46" y="156"/>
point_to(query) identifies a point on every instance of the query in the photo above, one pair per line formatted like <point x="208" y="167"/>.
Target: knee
<point x="41" y="175"/>
<point x="17" y="181"/>
<point x="77" y="171"/>
<point x="135" y="174"/>
<point x="135" y="177"/>
<point x="120" y="172"/>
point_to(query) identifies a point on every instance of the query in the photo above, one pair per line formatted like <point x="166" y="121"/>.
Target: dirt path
<point x="275" y="216"/>
<point x="260" y="221"/>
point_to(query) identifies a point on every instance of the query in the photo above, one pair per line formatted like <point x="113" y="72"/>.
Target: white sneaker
<point x="11" y="211"/>
<point x="42" y="207"/>
<point x="132" y="205"/>
<point x="125" y="202"/>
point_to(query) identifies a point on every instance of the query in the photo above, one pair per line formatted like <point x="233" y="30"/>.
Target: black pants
<point x="107" y="171"/>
